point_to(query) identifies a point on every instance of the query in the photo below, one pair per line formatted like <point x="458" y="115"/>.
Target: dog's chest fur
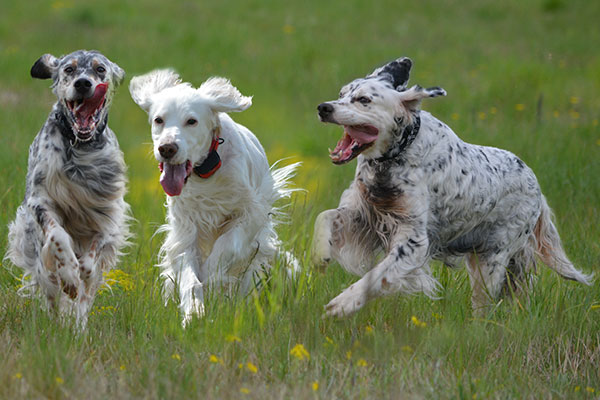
<point x="82" y="180"/>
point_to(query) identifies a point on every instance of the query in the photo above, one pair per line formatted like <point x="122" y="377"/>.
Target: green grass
<point x="490" y="56"/>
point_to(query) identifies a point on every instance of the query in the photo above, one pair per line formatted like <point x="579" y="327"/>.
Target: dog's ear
<point x="143" y="87"/>
<point x="118" y="74"/>
<point x="223" y="96"/>
<point x="44" y="67"/>
<point x="411" y="98"/>
<point x="396" y="72"/>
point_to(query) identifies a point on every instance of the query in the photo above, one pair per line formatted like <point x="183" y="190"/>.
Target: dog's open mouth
<point x="174" y="176"/>
<point x="85" y="113"/>
<point x="356" y="139"/>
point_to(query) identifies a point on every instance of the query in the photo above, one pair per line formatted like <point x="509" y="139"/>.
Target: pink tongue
<point x="173" y="178"/>
<point x="90" y="105"/>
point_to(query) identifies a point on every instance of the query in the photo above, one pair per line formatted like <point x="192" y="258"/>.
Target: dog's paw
<point x="347" y="303"/>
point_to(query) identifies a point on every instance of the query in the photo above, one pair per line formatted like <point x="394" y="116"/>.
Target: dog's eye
<point x="69" y="70"/>
<point x="158" y="120"/>
<point x="191" y="121"/>
<point x="100" y="69"/>
<point x="364" y="100"/>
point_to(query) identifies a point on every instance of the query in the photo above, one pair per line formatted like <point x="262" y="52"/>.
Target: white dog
<point x="419" y="193"/>
<point x="220" y="220"/>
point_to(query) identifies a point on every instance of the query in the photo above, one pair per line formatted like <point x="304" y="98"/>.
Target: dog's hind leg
<point x="488" y="276"/>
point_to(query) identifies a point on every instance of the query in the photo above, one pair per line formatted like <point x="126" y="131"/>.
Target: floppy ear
<point x="118" y="74"/>
<point x="44" y="67"/>
<point x="411" y="98"/>
<point x="223" y="96"/>
<point x="143" y="87"/>
<point x="396" y="72"/>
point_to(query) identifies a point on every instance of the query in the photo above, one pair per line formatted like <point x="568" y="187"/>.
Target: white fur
<point x="219" y="230"/>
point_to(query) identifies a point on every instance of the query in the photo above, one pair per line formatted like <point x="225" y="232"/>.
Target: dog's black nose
<point x="82" y="85"/>
<point x="325" y="109"/>
<point x="168" y="150"/>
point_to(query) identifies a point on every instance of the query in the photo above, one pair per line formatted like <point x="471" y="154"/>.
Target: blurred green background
<point x="523" y="75"/>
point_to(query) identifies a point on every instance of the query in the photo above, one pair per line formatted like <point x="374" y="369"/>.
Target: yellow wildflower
<point x="240" y="365"/>
<point x="176" y="356"/>
<point x="18" y="375"/>
<point x="233" y="338"/>
<point x="59" y="380"/>
<point x="251" y="367"/>
<point x="349" y="354"/>
<point x="590" y="389"/>
<point x="577" y="389"/>
<point x="556" y="114"/>
<point x="574" y="100"/>
<point x="481" y="115"/>
<point x="329" y="340"/>
<point x="519" y="107"/>
<point x="300" y="352"/>
<point x="214" y="359"/>
<point x="288" y="29"/>
<point x="406" y="349"/>
<point x="315" y="386"/>
<point x="122" y="367"/>
<point x="368" y="329"/>
<point x="244" y="390"/>
<point x="454" y="116"/>
<point x="418" y="323"/>
<point x="361" y="362"/>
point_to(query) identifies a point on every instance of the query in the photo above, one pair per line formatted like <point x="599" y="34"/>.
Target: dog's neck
<point x="403" y="136"/>
<point x="66" y="130"/>
<point x="212" y="162"/>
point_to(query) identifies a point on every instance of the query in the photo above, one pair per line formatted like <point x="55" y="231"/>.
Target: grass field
<point x="521" y="75"/>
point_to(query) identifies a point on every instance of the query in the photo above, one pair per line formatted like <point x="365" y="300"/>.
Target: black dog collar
<point x="408" y="135"/>
<point x="212" y="162"/>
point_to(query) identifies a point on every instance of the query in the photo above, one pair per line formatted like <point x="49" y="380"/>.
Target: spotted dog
<point x="220" y="229"/>
<point x="421" y="193"/>
<point x="72" y="224"/>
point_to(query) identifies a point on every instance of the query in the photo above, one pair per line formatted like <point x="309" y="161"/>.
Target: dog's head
<point x="374" y="111"/>
<point x="84" y="83"/>
<point x="184" y="120"/>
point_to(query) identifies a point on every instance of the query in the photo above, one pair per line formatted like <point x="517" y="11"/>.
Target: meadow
<point x="520" y="75"/>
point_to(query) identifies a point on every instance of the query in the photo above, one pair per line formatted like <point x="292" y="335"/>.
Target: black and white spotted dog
<point x="72" y="224"/>
<point x="420" y="193"/>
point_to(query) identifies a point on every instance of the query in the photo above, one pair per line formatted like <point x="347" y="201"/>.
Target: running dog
<point x="220" y="189"/>
<point x="73" y="222"/>
<point x="419" y="193"/>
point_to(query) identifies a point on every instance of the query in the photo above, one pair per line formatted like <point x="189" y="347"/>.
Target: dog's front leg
<point x="404" y="270"/>
<point x="59" y="259"/>
<point x="180" y="263"/>
<point x="322" y="238"/>
<point x="236" y="244"/>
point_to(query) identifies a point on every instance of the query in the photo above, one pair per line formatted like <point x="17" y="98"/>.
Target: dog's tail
<point x="549" y="249"/>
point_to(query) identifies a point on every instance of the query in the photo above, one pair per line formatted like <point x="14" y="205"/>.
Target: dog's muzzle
<point x="325" y="111"/>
